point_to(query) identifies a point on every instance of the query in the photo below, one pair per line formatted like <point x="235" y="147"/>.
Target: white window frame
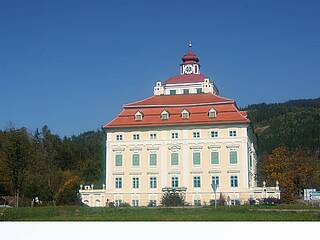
<point x="119" y="137"/>
<point x="196" y="134"/>
<point x="212" y="134"/>
<point x="136" y="136"/>
<point x="153" y="136"/>
<point x="138" y="116"/>
<point x="118" y="181"/>
<point x="232" y="133"/>
<point x="212" y="113"/>
<point x="135" y="182"/>
<point x="234" y="177"/>
<point x="174" y="135"/>
<point x="164" y="115"/>
<point x="185" y="114"/>
<point x="176" y="180"/>
<point x="153" y="183"/>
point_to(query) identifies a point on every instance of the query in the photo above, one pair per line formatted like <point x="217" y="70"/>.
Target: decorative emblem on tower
<point x="190" y="63"/>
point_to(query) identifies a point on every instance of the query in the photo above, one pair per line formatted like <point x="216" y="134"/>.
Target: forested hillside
<point x="42" y="164"/>
<point x="288" y="139"/>
<point x="292" y="124"/>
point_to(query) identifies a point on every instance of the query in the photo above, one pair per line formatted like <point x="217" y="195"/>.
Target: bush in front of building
<point x="172" y="199"/>
<point x="270" y="201"/>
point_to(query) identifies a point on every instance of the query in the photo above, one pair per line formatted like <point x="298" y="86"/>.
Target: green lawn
<point x="236" y="213"/>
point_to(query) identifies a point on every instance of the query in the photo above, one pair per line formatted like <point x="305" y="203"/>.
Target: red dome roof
<point x="190" y="57"/>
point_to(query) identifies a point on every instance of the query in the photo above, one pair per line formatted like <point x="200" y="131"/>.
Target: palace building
<point x="185" y="137"/>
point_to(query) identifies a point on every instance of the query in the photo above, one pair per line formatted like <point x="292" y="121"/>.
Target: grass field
<point x="236" y="213"/>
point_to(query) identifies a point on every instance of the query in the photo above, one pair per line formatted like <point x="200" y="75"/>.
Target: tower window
<point x="199" y="90"/>
<point x="173" y="92"/>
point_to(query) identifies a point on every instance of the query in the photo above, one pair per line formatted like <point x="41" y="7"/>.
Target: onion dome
<point x="190" y="57"/>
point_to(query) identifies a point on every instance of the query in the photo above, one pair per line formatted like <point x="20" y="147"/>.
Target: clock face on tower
<point x="188" y="69"/>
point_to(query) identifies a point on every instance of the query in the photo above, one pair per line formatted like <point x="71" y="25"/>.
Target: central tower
<point x="190" y="63"/>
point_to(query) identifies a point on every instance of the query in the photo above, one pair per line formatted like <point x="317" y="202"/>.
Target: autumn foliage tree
<point x="295" y="170"/>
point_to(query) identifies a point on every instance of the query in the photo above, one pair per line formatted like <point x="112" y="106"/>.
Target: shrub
<point x="124" y="204"/>
<point x="271" y="201"/>
<point x="172" y="199"/>
<point x="251" y="201"/>
<point x="151" y="204"/>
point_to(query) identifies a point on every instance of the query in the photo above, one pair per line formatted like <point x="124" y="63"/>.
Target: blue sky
<point x="73" y="64"/>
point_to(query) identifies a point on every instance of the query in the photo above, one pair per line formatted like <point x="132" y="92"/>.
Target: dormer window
<point x="164" y="115"/>
<point x="138" y="116"/>
<point x="212" y="113"/>
<point x="185" y="114"/>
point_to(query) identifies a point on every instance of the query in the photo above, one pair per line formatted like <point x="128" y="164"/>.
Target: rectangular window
<point x="196" y="134"/>
<point x="185" y="91"/>
<point x="173" y="92"/>
<point x="233" y="157"/>
<point x="135" y="182"/>
<point x="234" y="181"/>
<point x="118" y="160"/>
<point x="153" y="136"/>
<point x="196" y="181"/>
<point x="135" y="159"/>
<point x="119" y="137"/>
<point x="174" y="158"/>
<point x="174" y="182"/>
<point x="196" y="158"/>
<point x="214" y="134"/>
<point x="215" y="181"/>
<point x="153" y="159"/>
<point x="118" y="182"/>
<point x="199" y="90"/>
<point x="214" y="157"/>
<point x="174" y="135"/>
<point x="232" y="133"/>
<point x="135" y="203"/>
<point x="197" y="202"/>
<point x="136" y="136"/>
<point x="153" y="182"/>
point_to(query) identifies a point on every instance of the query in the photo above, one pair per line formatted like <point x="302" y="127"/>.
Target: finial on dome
<point x="190" y="44"/>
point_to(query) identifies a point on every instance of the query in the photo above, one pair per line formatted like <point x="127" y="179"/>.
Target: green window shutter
<point x="118" y="160"/>
<point x="233" y="157"/>
<point x="196" y="158"/>
<point x="174" y="159"/>
<point x="135" y="160"/>
<point x="153" y="159"/>
<point x="214" y="157"/>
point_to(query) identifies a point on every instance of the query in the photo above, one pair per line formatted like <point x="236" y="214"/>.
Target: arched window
<point x="185" y="114"/>
<point x="138" y="116"/>
<point x="212" y="113"/>
<point x="164" y="115"/>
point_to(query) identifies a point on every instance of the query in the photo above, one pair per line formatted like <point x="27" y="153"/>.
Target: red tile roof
<point x="180" y="99"/>
<point x="186" y="78"/>
<point x="198" y="106"/>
